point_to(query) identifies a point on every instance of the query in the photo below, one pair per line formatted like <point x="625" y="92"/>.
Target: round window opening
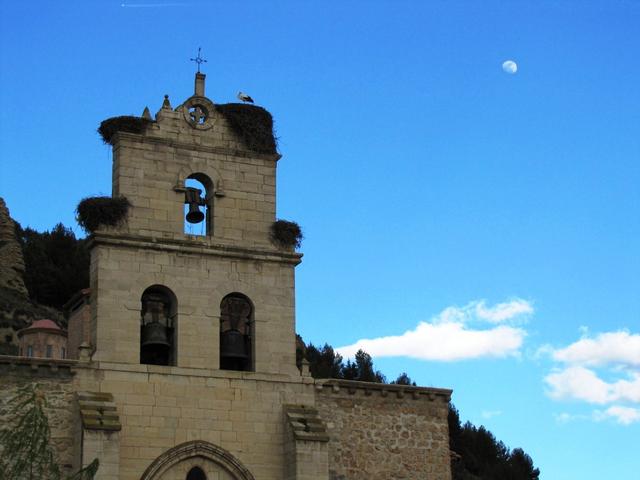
<point x="198" y="114"/>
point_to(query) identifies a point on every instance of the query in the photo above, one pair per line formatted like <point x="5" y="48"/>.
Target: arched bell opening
<point x="158" y="317"/>
<point x="198" y="198"/>
<point x="236" y="333"/>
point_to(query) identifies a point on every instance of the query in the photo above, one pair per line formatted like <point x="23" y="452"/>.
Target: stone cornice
<point x="35" y="366"/>
<point x="350" y="387"/>
<point x="206" y="373"/>
<point x="187" y="246"/>
<point x="193" y="146"/>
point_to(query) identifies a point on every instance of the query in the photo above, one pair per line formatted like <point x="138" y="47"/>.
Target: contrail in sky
<point x="152" y="5"/>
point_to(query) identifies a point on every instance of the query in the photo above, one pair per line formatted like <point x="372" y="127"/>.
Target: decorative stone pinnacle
<point x="84" y="352"/>
<point x="165" y="103"/>
<point x="304" y="368"/>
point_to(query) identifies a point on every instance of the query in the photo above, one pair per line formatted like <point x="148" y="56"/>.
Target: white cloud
<point x="577" y="383"/>
<point x="479" y="311"/>
<point x="503" y="311"/>
<point x="447" y="336"/>
<point x="580" y="383"/>
<point x="603" y="369"/>
<point x="544" y="351"/>
<point x="490" y="413"/>
<point x="622" y="415"/>
<point x="608" y="348"/>
<point x="565" y="417"/>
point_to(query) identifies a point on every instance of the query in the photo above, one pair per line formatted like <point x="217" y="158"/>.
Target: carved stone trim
<point x="201" y="167"/>
<point x="202" y="118"/>
<point x="29" y="367"/>
<point x="188" y="246"/>
<point x="197" y="448"/>
<point x="406" y="392"/>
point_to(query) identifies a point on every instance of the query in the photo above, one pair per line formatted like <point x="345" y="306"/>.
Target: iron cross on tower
<point x="199" y="60"/>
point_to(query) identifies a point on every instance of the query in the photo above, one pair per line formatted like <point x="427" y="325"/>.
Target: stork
<point x="244" y="97"/>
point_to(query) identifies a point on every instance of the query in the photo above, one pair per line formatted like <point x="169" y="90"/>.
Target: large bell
<point x="233" y="345"/>
<point x="194" y="215"/>
<point x="192" y="197"/>
<point x="154" y="334"/>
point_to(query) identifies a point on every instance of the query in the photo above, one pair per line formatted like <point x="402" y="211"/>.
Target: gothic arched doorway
<point x="181" y="461"/>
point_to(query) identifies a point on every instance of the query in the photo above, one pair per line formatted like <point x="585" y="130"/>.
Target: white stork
<point x="244" y="97"/>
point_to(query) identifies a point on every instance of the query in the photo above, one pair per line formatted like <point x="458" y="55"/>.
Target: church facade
<point x="186" y="365"/>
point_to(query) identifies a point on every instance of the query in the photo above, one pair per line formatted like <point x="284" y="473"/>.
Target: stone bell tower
<point x="192" y="277"/>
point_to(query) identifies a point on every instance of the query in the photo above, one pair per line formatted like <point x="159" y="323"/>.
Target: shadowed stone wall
<point x="54" y="379"/>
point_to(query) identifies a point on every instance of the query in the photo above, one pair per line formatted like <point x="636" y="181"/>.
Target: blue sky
<point x="476" y="229"/>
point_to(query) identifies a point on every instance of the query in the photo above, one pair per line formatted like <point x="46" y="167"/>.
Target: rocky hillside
<point x="16" y="309"/>
<point x="11" y="260"/>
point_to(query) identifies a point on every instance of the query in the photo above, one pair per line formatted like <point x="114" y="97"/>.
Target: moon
<point x="510" y="67"/>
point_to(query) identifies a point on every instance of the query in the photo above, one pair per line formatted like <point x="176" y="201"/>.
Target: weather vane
<point x="199" y="60"/>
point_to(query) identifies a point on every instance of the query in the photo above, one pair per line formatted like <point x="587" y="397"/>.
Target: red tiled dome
<point x="44" y="323"/>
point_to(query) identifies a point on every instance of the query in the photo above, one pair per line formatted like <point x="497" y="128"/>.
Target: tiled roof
<point x="44" y="323"/>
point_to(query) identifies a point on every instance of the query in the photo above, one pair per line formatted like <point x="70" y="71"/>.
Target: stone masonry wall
<point x="151" y="169"/>
<point x="162" y="407"/>
<point x="200" y="278"/>
<point x="385" y="432"/>
<point x="56" y="382"/>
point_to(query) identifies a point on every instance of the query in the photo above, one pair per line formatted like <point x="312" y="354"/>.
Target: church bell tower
<point x="192" y="278"/>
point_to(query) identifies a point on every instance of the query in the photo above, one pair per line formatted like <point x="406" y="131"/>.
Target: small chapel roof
<point x="43" y="324"/>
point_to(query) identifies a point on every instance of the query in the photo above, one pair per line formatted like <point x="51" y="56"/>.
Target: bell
<point x="192" y="197"/>
<point x="194" y="215"/>
<point x="233" y="345"/>
<point x="154" y="334"/>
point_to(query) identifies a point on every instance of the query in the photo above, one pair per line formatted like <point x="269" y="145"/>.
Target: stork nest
<point x="254" y="126"/>
<point x="130" y="124"/>
<point x="286" y="234"/>
<point x="95" y="212"/>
